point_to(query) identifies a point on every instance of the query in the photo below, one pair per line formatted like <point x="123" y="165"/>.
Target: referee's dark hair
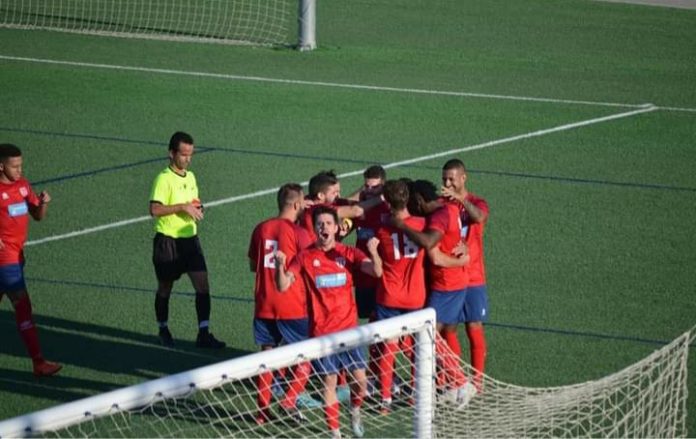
<point x="8" y="150"/>
<point x="178" y="138"/>
<point x="287" y="194"/>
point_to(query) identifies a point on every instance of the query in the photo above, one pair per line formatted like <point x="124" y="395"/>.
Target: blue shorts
<point x="476" y="304"/>
<point x="12" y="278"/>
<point x="385" y="312"/>
<point x="349" y="360"/>
<point x="449" y="306"/>
<point x="269" y="332"/>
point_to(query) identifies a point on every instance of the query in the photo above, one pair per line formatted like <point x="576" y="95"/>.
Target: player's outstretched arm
<point x="458" y="259"/>
<point x="426" y="239"/>
<point x="39" y="212"/>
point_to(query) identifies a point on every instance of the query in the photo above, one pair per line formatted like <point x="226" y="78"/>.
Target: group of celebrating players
<point x="415" y="247"/>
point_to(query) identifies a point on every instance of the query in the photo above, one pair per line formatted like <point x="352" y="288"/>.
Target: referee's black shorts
<point x="173" y="257"/>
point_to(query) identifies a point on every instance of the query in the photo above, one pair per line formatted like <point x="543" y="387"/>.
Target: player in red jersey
<point x="325" y="190"/>
<point x="473" y="214"/>
<point x="279" y="318"/>
<point x="17" y="202"/>
<point x="327" y="270"/>
<point x="401" y="288"/>
<point x="447" y="285"/>
<point x="365" y="227"/>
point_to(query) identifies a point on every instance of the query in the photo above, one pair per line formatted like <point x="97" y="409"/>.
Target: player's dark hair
<point x="426" y="189"/>
<point x="287" y="194"/>
<point x="375" y="171"/>
<point x="320" y="182"/>
<point x="396" y="194"/>
<point x="454" y="164"/>
<point x="178" y="138"/>
<point x="8" y="150"/>
<point x="321" y="210"/>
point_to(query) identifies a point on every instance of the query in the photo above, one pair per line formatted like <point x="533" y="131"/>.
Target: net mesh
<point x="224" y="21"/>
<point x="647" y="399"/>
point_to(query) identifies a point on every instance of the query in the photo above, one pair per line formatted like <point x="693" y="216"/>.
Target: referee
<point x="176" y="250"/>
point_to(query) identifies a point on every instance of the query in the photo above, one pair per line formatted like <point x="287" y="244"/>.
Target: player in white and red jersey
<point x="17" y="202"/>
<point x="473" y="214"/>
<point x="279" y="318"/>
<point x="327" y="270"/>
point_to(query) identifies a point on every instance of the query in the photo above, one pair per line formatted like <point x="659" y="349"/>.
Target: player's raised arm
<point x="372" y="266"/>
<point x="283" y="278"/>
<point x="38" y="212"/>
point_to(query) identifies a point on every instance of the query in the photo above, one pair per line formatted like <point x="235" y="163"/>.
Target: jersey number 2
<point x="269" y="257"/>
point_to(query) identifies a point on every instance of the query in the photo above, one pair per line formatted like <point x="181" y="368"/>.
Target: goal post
<point x="255" y="22"/>
<point x="420" y="324"/>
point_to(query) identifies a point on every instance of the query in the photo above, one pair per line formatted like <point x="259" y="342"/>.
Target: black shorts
<point x="173" y="257"/>
<point x="366" y="299"/>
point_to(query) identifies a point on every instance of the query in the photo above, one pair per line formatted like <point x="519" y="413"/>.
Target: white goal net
<point x="270" y="22"/>
<point x="647" y="399"/>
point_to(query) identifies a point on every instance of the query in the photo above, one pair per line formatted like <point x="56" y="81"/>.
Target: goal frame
<point x="420" y="324"/>
<point x="306" y="30"/>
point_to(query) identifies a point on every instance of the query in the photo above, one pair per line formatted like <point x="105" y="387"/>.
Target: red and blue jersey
<point x="447" y="222"/>
<point x="328" y="277"/>
<point x="16" y="199"/>
<point x="269" y="236"/>
<point x="472" y="234"/>
<point x="402" y="284"/>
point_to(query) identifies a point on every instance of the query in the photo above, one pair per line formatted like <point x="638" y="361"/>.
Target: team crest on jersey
<point x="316" y="263"/>
<point x="23" y="191"/>
<point x="341" y="261"/>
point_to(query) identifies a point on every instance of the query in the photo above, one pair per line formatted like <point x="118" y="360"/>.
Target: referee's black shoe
<point x="208" y="341"/>
<point x="165" y="337"/>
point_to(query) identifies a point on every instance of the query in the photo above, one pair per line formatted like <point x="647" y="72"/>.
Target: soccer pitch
<point x="576" y="119"/>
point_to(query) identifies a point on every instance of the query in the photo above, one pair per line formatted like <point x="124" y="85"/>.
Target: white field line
<point x="320" y="83"/>
<point x="570" y="126"/>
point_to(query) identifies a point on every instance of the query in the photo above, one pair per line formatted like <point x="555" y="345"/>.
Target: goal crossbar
<point x="421" y="324"/>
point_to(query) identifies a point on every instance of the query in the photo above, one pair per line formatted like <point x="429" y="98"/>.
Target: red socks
<point x="25" y="325"/>
<point x="452" y="341"/>
<point x="477" y="343"/>
<point x="297" y="384"/>
<point x="331" y="414"/>
<point x="386" y="368"/>
<point x="263" y="384"/>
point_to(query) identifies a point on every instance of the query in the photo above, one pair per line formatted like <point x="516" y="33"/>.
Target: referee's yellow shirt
<point x="171" y="188"/>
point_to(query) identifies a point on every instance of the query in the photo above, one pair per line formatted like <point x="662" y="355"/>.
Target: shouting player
<point x="327" y="270"/>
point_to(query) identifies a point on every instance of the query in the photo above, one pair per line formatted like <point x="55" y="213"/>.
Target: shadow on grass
<point x="112" y="358"/>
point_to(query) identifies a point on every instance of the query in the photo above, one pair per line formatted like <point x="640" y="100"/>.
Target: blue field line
<point x="83" y="136"/>
<point x="109" y="169"/>
<point x="201" y="149"/>
<point x="250" y="300"/>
